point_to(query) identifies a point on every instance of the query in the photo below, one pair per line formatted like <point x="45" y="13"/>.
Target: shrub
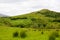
<point x="57" y="30"/>
<point x="15" y="34"/>
<point x="42" y="32"/>
<point x="23" y="34"/>
<point x="34" y="30"/>
<point x="21" y="25"/>
<point x="44" y="25"/>
<point x="56" y="34"/>
<point x="53" y="36"/>
<point x="33" y="19"/>
<point x="56" y="20"/>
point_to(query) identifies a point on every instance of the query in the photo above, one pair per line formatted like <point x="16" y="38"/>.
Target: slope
<point x="39" y="19"/>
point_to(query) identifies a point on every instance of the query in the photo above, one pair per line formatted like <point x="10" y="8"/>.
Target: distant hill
<point x="2" y="15"/>
<point x="39" y="19"/>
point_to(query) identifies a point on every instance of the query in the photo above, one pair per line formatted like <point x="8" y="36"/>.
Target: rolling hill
<point x="39" y="19"/>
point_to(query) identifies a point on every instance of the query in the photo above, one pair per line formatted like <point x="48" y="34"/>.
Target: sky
<point x="19" y="7"/>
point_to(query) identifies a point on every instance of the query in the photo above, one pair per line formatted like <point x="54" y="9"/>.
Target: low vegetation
<point x="23" y="34"/>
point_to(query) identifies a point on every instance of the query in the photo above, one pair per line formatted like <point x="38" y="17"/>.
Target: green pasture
<point x="6" y="33"/>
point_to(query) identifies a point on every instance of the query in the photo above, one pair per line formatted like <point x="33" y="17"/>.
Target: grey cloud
<point x="23" y="6"/>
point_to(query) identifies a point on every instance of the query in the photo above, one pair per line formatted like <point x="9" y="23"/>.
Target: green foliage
<point x="15" y="34"/>
<point x="42" y="32"/>
<point x="56" y="34"/>
<point x="23" y="34"/>
<point x="49" y="13"/>
<point x="53" y="36"/>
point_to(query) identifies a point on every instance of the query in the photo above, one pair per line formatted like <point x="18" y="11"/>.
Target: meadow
<point x="6" y="33"/>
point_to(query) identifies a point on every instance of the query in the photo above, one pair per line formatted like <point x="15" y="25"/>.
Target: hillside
<point x="39" y="19"/>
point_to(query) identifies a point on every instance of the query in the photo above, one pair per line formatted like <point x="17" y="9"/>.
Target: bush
<point x="15" y="34"/>
<point x="42" y="32"/>
<point x="57" y="30"/>
<point x="53" y="36"/>
<point x="23" y="34"/>
<point x="56" y="34"/>
<point x="34" y="30"/>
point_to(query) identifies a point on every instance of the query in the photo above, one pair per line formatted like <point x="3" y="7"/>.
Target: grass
<point x="6" y="33"/>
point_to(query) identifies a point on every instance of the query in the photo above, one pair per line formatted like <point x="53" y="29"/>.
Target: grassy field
<point x="6" y="33"/>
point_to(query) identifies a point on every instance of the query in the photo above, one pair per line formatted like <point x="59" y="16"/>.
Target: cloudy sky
<point x="16" y="7"/>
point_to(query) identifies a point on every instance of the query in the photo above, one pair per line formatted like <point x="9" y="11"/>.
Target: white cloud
<point x="21" y="7"/>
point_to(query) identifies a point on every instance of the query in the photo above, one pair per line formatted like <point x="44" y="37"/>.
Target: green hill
<point x="39" y="25"/>
<point x="38" y="19"/>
